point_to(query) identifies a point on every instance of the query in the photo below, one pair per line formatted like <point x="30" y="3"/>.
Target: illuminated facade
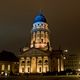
<point x="34" y="61"/>
<point x="40" y="32"/>
<point x="40" y="58"/>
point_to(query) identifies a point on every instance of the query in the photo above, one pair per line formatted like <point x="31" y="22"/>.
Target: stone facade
<point x="40" y="58"/>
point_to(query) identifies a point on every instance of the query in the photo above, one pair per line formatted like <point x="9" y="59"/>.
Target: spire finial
<point x="40" y="11"/>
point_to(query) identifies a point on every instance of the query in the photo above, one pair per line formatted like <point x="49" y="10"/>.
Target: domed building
<point x="40" y="57"/>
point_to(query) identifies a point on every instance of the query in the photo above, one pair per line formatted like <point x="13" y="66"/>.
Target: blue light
<point x="40" y="18"/>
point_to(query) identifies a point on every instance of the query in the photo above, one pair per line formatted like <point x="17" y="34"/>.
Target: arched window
<point x="46" y="61"/>
<point x="23" y="61"/>
<point x="40" y="62"/>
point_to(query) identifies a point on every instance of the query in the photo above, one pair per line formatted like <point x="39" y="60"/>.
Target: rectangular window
<point x="8" y="67"/>
<point x="3" y="67"/>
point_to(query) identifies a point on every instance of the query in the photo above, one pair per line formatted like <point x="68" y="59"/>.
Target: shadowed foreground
<point x="39" y="78"/>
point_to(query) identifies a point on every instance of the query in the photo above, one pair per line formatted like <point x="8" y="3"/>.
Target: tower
<point x="40" y="32"/>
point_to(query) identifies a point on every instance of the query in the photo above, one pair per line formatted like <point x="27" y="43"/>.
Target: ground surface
<point x="40" y="78"/>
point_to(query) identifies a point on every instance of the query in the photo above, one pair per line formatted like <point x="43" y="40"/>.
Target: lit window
<point x="8" y="67"/>
<point x="3" y="67"/>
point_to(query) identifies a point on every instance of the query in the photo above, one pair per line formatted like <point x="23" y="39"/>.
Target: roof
<point x="8" y="56"/>
<point x="40" y="18"/>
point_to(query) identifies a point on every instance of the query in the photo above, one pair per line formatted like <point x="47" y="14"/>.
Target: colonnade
<point x="34" y="64"/>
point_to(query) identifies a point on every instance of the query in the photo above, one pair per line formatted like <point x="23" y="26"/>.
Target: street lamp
<point x="65" y="50"/>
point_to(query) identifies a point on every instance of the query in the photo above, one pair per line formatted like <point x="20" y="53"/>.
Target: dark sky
<point x="16" y="19"/>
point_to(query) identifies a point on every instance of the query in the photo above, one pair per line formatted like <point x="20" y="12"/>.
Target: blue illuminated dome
<point x="40" y="18"/>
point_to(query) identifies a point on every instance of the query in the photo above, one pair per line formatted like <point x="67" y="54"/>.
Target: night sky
<point x="16" y="19"/>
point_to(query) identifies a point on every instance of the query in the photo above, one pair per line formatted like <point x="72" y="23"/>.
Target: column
<point x="26" y="65"/>
<point x="42" y="64"/>
<point x="20" y="65"/>
<point x="49" y="63"/>
<point x="62" y="65"/>
<point x="58" y="65"/>
<point x="36" y="63"/>
<point x="30" y="64"/>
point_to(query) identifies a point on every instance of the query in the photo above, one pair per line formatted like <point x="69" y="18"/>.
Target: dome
<point x="40" y="18"/>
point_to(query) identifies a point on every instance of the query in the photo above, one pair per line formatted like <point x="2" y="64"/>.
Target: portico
<point x="34" y="64"/>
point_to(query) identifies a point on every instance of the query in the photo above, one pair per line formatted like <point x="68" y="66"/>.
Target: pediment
<point x="34" y="52"/>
